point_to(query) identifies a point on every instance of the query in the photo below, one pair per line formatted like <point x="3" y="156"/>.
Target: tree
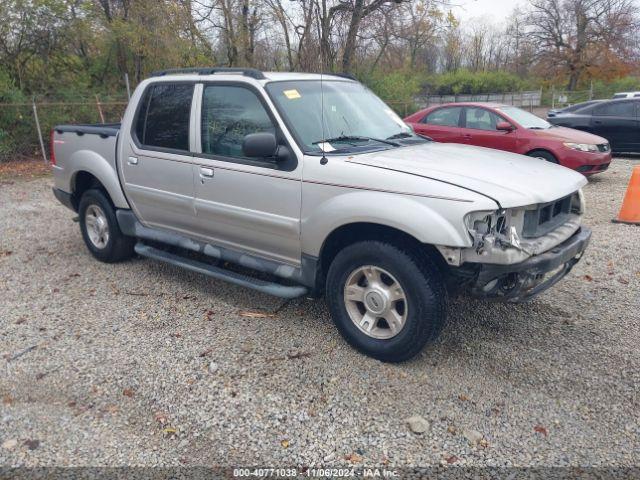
<point x="30" y="32"/>
<point x="419" y="25"/>
<point x="572" y="36"/>
<point x="452" y="44"/>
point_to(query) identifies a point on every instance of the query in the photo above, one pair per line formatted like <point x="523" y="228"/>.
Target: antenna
<point x="324" y="160"/>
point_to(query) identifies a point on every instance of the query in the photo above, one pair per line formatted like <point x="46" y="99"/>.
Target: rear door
<point x="442" y="124"/>
<point x="156" y="162"/>
<point x="617" y="122"/>
<point x="480" y="129"/>
<point x="246" y="204"/>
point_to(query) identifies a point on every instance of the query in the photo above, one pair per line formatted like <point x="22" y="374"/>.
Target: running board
<point x="263" y="286"/>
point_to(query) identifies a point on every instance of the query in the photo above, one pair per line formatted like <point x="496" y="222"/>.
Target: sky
<point x="494" y="10"/>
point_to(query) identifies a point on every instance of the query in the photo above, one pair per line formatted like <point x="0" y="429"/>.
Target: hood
<point x="510" y="179"/>
<point x="569" y="135"/>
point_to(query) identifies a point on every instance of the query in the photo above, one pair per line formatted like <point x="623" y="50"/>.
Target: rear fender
<point x="102" y="169"/>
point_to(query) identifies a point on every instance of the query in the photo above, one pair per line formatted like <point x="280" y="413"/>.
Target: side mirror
<point x="504" y="127"/>
<point x="259" y="145"/>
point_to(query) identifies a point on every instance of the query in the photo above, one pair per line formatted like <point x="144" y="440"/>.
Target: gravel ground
<point x="144" y="364"/>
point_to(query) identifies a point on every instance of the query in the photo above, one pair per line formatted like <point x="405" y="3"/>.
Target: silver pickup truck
<point x="303" y="184"/>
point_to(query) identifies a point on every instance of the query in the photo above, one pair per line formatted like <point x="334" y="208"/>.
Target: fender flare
<point x="399" y="212"/>
<point x="93" y="163"/>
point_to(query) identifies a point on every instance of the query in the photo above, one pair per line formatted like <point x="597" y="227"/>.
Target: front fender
<point x="431" y="221"/>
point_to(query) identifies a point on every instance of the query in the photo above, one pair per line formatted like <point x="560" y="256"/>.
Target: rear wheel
<point x="100" y="229"/>
<point x="386" y="301"/>
<point x="544" y="155"/>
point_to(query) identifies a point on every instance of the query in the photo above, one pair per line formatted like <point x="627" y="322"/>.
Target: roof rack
<point x="247" y="72"/>
<point x="343" y="75"/>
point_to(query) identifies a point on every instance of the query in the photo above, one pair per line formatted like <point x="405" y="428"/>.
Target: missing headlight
<point x="484" y="223"/>
<point x="501" y="223"/>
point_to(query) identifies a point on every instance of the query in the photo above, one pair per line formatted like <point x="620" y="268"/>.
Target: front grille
<point x="604" y="147"/>
<point x="546" y="217"/>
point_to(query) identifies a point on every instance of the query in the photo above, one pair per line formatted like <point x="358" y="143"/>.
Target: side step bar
<point x="270" y="288"/>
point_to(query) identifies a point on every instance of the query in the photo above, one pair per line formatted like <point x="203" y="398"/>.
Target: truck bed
<point x="90" y="149"/>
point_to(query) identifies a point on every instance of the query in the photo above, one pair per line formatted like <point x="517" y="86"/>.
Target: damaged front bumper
<point x="522" y="281"/>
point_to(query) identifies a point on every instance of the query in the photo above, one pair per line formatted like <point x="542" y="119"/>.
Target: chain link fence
<point x="25" y="127"/>
<point x="529" y="100"/>
<point x="566" y="98"/>
<point x="526" y="99"/>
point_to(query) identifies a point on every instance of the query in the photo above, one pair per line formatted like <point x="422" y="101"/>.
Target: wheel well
<point x="542" y="150"/>
<point x="356" y="232"/>
<point x="84" y="181"/>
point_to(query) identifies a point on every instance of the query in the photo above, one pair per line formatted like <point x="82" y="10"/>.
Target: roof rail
<point x="343" y="75"/>
<point x="247" y="72"/>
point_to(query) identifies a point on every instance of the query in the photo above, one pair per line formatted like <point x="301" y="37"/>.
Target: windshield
<point x="525" y="119"/>
<point x="354" y="118"/>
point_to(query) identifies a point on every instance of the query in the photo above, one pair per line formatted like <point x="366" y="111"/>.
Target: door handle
<point x="132" y="160"/>
<point x="206" y="172"/>
<point x="597" y="122"/>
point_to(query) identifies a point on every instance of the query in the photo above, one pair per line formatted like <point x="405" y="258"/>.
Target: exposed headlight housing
<point x="582" y="147"/>
<point x="485" y="222"/>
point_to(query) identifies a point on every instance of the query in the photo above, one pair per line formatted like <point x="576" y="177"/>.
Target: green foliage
<point x="607" y="89"/>
<point x="398" y="89"/>
<point x="466" y="82"/>
<point x="9" y="93"/>
<point x="13" y="128"/>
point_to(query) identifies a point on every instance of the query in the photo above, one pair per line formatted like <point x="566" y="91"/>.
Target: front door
<point x="480" y="129"/>
<point x="155" y="161"/>
<point x="247" y="204"/>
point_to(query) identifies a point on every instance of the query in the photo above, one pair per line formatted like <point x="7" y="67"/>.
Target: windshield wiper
<point x="346" y="138"/>
<point x="400" y="135"/>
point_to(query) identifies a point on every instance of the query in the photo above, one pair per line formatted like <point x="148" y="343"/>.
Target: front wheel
<point x="544" y="155"/>
<point x="386" y="301"/>
<point x="100" y="229"/>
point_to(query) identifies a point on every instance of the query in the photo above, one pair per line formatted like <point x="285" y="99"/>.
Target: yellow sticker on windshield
<point x="292" y="94"/>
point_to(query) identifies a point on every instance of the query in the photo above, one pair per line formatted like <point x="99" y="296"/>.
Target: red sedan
<point x="509" y="128"/>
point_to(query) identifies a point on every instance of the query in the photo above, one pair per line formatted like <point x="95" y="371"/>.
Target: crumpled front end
<point x="518" y="253"/>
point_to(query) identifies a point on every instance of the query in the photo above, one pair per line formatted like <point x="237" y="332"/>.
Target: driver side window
<point x="228" y="114"/>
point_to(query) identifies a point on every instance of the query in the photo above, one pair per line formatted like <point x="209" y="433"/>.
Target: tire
<point x="112" y="246"/>
<point x="423" y="309"/>
<point x="544" y="155"/>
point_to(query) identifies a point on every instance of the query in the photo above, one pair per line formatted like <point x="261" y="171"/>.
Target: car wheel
<point x="544" y="155"/>
<point x="386" y="301"/>
<point x="100" y="229"/>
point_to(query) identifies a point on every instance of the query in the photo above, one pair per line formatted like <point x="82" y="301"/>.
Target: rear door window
<point x="616" y="109"/>
<point x="163" y="118"/>
<point x="445" y="117"/>
<point x="481" y="119"/>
